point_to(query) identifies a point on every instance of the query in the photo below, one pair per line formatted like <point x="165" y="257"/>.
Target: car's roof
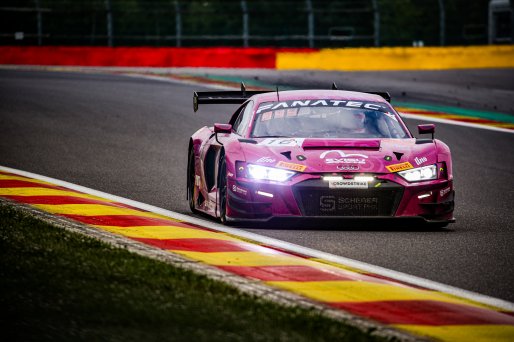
<point x="288" y="95"/>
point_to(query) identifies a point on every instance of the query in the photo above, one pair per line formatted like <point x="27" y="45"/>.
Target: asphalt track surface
<point x="128" y="136"/>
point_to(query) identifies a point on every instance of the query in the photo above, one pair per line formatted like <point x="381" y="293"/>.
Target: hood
<point x="340" y="155"/>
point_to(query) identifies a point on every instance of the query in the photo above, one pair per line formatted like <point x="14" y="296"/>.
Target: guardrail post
<point x="39" y="24"/>
<point x="109" y="22"/>
<point x="442" y="19"/>
<point x="244" y="9"/>
<point x="512" y="22"/>
<point x="178" y="25"/>
<point x="310" y="23"/>
<point x="376" y="22"/>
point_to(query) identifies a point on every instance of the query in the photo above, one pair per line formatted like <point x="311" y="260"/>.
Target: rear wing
<point x="238" y="97"/>
<point x="224" y="97"/>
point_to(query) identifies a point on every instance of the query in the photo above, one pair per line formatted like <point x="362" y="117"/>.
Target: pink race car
<point x="317" y="154"/>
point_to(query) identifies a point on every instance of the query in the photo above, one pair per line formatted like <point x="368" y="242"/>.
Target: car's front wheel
<point x="191" y="180"/>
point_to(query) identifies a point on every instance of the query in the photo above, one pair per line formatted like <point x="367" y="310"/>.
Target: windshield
<point x="326" y="119"/>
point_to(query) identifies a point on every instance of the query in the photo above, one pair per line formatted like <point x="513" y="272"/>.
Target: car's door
<point x="210" y="151"/>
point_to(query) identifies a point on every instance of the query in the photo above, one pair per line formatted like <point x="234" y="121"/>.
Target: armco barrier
<point x="220" y="57"/>
<point x="400" y="58"/>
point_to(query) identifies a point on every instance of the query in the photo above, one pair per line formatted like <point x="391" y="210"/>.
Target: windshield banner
<point x="322" y="103"/>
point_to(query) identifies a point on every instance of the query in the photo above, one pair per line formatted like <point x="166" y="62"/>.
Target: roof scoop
<point x="341" y="144"/>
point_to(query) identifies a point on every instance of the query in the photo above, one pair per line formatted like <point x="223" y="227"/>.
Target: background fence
<point x="281" y="23"/>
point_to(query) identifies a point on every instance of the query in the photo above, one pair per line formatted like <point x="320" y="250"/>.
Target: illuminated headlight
<point x="363" y="178"/>
<point x="269" y="173"/>
<point x="420" y="174"/>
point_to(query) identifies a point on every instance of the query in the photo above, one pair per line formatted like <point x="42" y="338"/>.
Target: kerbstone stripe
<point x="400" y="305"/>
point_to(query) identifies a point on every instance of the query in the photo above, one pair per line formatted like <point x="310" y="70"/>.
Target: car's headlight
<point x="420" y="174"/>
<point x="269" y="173"/>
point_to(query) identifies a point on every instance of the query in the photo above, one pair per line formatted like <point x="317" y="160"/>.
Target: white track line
<point x="500" y="303"/>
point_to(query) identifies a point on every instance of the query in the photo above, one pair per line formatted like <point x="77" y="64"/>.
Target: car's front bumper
<point x="311" y="198"/>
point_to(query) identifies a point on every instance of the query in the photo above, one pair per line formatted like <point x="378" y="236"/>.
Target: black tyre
<point x="191" y="181"/>
<point x="222" y="189"/>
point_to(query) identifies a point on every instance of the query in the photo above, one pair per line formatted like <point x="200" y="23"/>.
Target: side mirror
<point x="222" y="128"/>
<point x="427" y="129"/>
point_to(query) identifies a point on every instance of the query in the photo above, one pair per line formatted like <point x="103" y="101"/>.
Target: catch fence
<point x="282" y="23"/>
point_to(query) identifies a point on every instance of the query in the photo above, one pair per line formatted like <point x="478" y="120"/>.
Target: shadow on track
<point x="346" y="224"/>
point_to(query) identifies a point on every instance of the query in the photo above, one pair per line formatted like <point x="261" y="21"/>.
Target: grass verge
<point x="62" y="286"/>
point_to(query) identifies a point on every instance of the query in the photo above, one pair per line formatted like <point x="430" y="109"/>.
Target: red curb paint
<point x="477" y="120"/>
<point x="285" y="273"/>
<point x="461" y="118"/>
<point x="425" y="312"/>
<point x="127" y="221"/>
<point x="14" y="183"/>
<point x="218" y="57"/>
<point x="60" y="200"/>
<point x="196" y="245"/>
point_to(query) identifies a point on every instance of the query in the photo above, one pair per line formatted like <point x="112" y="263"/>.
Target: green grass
<point x="60" y="286"/>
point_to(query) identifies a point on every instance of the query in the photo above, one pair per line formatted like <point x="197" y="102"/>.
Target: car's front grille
<point x="316" y="199"/>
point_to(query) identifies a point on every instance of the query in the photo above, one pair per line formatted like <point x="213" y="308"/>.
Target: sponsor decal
<point x="398" y="155"/>
<point x="444" y="192"/>
<point x="347" y="183"/>
<point x="332" y="203"/>
<point x="327" y="203"/>
<point x="351" y="158"/>
<point x="399" y="167"/>
<point x="282" y="142"/>
<point x="348" y="167"/>
<point x="265" y="160"/>
<point x="291" y="166"/>
<point x="322" y="103"/>
<point x="239" y="190"/>
<point x="420" y="161"/>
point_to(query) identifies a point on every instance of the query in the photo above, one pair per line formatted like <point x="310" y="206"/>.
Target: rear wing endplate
<point x="384" y="94"/>
<point x="224" y="97"/>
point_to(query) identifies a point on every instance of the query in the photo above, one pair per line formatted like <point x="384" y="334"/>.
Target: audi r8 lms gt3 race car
<point x="316" y="154"/>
